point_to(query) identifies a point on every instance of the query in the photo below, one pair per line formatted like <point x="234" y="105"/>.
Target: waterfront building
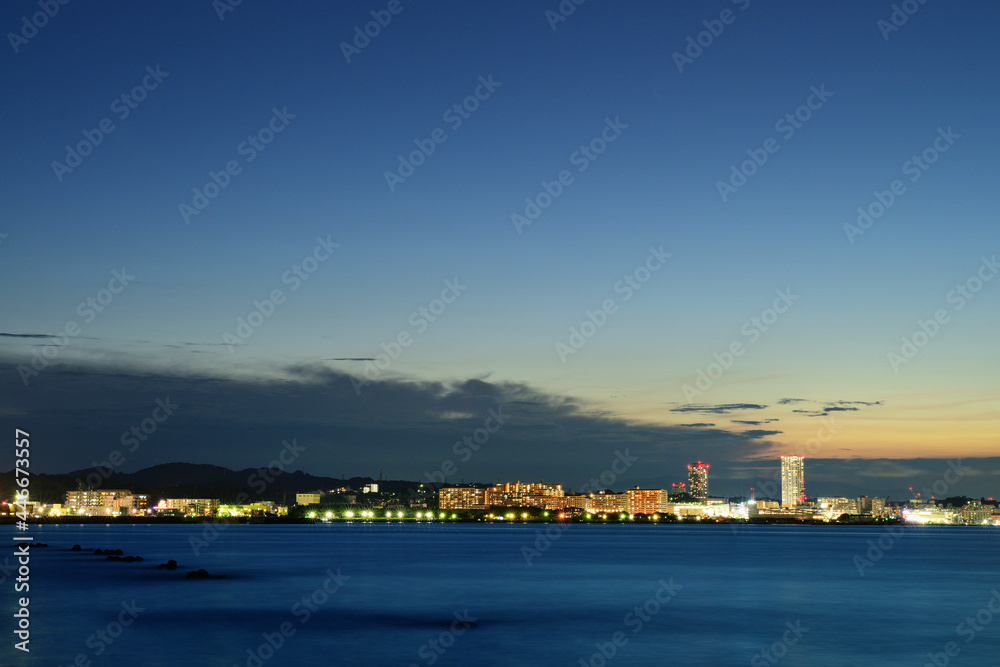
<point x="792" y="481"/>
<point x="646" y="501"/>
<point x="104" y="502"/>
<point x="192" y="506"/>
<point x="698" y="480"/>
<point x="462" y="498"/>
<point x="608" y="503"/>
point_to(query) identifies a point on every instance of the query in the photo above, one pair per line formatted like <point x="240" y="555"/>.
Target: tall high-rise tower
<point x="698" y="480"/>
<point x="793" y="486"/>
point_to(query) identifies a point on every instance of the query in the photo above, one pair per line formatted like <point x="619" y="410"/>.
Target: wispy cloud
<point x="719" y="409"/>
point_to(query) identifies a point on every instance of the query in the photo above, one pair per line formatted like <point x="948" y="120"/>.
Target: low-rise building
<point x="608" y="503"/>
<point x="307" y="498"/>
<point x="104" y="502"/>
<point x="189" y="506"/>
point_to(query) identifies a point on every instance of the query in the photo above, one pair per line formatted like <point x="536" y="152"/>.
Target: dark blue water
<point x="706" y="595"/>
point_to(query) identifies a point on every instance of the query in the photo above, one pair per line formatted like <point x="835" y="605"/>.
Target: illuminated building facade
<point x="193" y="506"/>
<point x="646" y="501"/>
<point x="461" y="498"/>
<point x="516" y="494"/>
<point x="602" y="502"/>
<point x="837" y="506"/>
<point x="104" y="502"/>
<point x="793" y="486"/>
<point x="307" y="498"/>
<point x="698" y="480"/>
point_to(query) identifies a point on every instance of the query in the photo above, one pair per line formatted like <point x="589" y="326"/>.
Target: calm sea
<point x="462" y="594"/>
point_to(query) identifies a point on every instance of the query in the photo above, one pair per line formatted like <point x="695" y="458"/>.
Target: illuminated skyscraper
<point x="793" y="486"/>
<point x="698" y="480"/>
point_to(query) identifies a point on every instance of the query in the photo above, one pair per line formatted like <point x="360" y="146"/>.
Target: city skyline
<point x="710" y="233"/>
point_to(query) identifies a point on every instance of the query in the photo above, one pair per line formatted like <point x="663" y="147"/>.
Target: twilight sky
<point x="622" y="237"/>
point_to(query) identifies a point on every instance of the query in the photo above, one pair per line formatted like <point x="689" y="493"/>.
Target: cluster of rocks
<point x="118" y="555"/>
